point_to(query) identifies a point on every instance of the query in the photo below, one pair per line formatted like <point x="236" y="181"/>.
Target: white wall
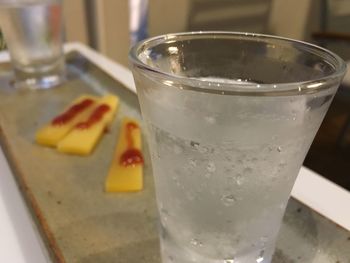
<point x="75" y="21"/>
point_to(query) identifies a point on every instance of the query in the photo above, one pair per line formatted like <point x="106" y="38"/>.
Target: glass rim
<point x="265" y="89"/>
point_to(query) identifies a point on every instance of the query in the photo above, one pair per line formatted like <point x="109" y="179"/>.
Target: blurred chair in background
<point x="167" y="16"/>
<point x="334" y="34"/>
<point x="229" y="15"/>
<point x="289" y="18"/>
<point x="334" y="31"/>
<point x="138" y="10"/>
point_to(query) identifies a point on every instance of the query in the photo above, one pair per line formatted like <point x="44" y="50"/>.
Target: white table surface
<point x="19" y="238"/>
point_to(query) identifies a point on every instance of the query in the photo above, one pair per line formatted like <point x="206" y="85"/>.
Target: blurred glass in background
<point x="33" y="33"/>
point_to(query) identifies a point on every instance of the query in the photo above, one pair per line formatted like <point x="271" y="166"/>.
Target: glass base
<point x="42" y="82"/>
<point x="40" y="76"/>
<point x="173" y="252"/>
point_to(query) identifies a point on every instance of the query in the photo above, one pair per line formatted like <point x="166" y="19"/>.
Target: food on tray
<point x="78" y="111"/>
<point x="126" y="170"/>
<point x="85" y="134"/>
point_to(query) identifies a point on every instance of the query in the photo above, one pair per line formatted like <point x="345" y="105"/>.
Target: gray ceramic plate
<point x="81" y="223"/>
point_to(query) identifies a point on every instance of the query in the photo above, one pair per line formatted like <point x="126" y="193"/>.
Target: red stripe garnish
<point x="72" y="112"/>
<point x="95" y="117"/>
<point x="131" y="156"/>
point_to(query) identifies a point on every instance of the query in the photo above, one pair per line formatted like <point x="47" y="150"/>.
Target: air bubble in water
<point x="164" y="213"/>
<point x="176" y="180"/>
<point x="194" y="144"/>
<point x="198" y="147"/>
<point x="193" y="162"/>
<point x="239" y="179"/>
<point x="279" y="149"/>
<point x="261" y="257"/>
<point x="229" y="199"/>
<point x="211" y="167"/>
<point x="196" y="242"/>
<point x="203" y="149"/>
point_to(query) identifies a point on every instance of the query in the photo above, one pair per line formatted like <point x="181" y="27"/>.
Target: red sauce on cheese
<point x="72" y="112"/>
<point x="131" y="156"/>
<point x="95" y="117"/>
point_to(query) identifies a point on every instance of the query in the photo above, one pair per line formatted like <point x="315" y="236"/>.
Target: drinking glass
<point x="229" y="119"/>
<point x="33" y="34"/>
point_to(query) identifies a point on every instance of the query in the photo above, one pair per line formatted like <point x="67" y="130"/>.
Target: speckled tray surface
<point x="78" y="221"/>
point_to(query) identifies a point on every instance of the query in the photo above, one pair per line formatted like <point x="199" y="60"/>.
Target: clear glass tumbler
<point x="229" y="119"/>
<point x="33" y="34"/>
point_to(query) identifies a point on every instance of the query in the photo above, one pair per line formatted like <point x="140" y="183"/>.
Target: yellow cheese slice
<point x="121" y="177"/>
<point x="51" y="134"/>
<point x="82" y="141"/>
